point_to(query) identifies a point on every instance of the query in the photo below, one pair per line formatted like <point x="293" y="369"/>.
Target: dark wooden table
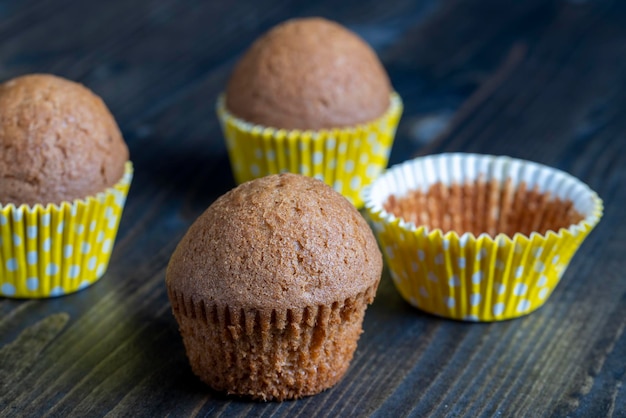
<point x="538" y="80"/>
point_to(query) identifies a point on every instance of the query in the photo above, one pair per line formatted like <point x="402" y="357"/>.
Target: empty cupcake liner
<point x="270" y="354"/>
<point x="58" y="249"/>
<point x="346" y="159"/>
<point x="454" y="271"/>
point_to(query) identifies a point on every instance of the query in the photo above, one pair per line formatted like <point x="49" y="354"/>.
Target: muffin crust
<point x="278" y="242"/>
<point x="309" y="74"/>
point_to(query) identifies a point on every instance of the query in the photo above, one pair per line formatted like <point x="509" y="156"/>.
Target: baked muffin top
<point x="278" y="242"/>
<point x="59" y="141"/>
<point x="309" y="74"/>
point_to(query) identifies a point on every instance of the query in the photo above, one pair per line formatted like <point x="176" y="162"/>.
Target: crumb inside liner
<point x="484" y="207"/>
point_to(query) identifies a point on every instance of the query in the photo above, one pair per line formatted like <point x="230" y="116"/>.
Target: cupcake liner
<point x="273" y="354"/>
<point x="346" y="159"/>
<point x="58" y="249"/>
<point x="505" y="272"/>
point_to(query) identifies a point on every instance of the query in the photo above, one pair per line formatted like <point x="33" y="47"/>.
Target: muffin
<point x="64" y="175"/>
<point x="479" y="238"/>
<point x="269" y="287"/>
<point x="310" y="97"/>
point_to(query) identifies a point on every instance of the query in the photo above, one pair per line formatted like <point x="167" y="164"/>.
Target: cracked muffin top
<point x="58" y="142"/>
<point x="309" y="74"/>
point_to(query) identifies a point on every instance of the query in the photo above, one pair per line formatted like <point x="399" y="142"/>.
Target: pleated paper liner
<point x="270" y="354"/>
<point x="59" y="249"/>
<point x="479" y="238"/>
<point x="346" y="159"/>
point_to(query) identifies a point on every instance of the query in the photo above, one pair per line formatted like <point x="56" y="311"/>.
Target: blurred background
<point x="161" y="64"/>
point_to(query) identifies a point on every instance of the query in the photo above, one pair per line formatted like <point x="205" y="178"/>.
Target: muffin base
<point x="270" y="355"/>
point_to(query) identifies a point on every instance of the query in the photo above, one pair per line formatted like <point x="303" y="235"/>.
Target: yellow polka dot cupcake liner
<point x="475" y="276"/>
<point x="59" y="249"/>
<point x="346" y="159"/>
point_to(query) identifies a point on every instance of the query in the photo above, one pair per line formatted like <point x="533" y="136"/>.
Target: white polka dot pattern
<point x="52" y="247"/>
<point x="346" y="159"/>
<point x="467" y="277"/>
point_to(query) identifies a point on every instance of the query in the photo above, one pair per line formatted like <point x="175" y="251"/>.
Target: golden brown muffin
<point x="269" y="287"/>
<point x="59" y="141"/>
<point x="309" y="74"/>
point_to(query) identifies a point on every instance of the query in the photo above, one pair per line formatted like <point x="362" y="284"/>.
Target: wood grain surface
<point x="538" y="80"/>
